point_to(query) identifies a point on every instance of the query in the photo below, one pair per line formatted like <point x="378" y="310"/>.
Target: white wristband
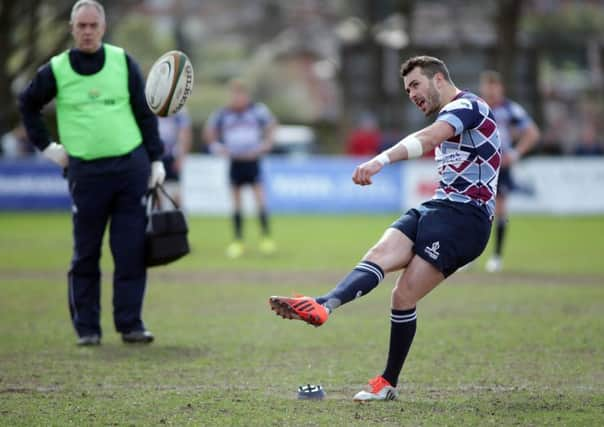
<point x="383" y="158"/>
<point x="414" y="146"/>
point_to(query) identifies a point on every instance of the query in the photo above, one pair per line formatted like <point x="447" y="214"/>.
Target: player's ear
<point x="439" y="80"/>
<point x="436" y="80"/>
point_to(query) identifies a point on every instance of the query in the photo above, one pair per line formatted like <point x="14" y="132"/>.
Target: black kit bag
<point x="166" y="235"/>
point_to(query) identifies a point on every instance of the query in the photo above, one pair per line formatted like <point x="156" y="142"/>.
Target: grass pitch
<point x="525" y="347"/>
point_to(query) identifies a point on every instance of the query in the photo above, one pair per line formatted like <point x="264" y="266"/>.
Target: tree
<point x="28" y="37"/>
<point x="31" y="32"/>
<point x="507" y="23"/>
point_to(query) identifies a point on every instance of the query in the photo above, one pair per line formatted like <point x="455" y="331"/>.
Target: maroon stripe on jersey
<point x="487" y="128"/>
<point x="495" y="161"/>
<point x="482" y="193"/>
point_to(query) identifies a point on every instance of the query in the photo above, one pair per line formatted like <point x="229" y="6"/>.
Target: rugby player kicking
<point x="432" y="241"/>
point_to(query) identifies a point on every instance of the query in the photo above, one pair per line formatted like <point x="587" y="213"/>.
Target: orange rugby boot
<point x="379" y="389"/>
<point x="300" y="308"/>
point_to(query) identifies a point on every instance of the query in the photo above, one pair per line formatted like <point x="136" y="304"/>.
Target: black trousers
<point x="116" y="199"/>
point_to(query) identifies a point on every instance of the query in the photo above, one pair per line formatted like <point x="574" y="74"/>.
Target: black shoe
<point x="89" y="340"/>
<point x="144" y="337"/>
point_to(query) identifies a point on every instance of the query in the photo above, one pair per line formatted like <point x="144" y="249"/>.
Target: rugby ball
<point x="169" y="83"/>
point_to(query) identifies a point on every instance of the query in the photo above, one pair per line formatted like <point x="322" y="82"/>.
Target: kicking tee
<point x="468" y="163"/>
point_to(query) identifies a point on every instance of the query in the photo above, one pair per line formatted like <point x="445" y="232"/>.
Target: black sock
<point x="402" y="330"/>
<point x="263" y="218"/>
<point x="237" y="225"/>
<point x="360" y="281"/>
<point x="500" y="235"/>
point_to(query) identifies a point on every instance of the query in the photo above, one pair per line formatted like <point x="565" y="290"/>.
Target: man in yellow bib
<point x="110" y="147"/>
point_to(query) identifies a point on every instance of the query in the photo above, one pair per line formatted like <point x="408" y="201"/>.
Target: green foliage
<point x="142" y="38"/>
<point x="520" y="348"/>
<point x="568" y="25"/>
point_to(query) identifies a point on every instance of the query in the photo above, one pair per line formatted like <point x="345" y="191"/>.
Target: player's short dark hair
<point x="429" y="66"/>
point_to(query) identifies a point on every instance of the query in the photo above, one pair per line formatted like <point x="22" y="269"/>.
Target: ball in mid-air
<point x="169" y="83"/>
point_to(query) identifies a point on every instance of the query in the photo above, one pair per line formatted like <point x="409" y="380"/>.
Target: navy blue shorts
<point x="446" y="234"/>
<point x="505" y="182"/>
<point x="244" y="172"/>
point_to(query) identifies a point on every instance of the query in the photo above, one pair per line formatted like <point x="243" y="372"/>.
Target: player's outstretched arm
<point x="410" y="147"/>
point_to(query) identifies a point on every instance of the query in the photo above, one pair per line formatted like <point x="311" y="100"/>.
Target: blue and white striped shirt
<point x="242" y="132"/>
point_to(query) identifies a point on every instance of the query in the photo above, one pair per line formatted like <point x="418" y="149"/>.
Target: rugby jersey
<point x="468" y="163"/>
<point x="511" y="118"/>
<point x="241" y="132"/>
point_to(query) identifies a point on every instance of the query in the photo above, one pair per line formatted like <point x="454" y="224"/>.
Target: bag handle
<point x="153" y="198"/>
<point x="163" y="190"/>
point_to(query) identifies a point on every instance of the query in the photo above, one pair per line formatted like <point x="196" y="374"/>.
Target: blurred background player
<point x="108" y="137"/>
<point x="14" y="144"/>
<point x="176" y="134"/>
<point x="518" y="134"/>
<point x="243" y="132"/>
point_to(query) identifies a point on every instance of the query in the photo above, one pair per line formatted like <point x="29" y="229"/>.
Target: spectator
<point x="365" y="139"/>
<point x="110" y="147"/>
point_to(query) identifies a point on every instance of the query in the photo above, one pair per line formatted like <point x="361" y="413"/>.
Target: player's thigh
<point x="392" y="252"/>
<point x="414" y="283"/>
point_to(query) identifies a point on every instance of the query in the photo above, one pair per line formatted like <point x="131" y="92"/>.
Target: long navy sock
<point x="500" y="235"/>
<point x="263" y="218"/>
<point x="237" y="225"/>
<point x="402" y="330"/>
<point x="360" y="281"/>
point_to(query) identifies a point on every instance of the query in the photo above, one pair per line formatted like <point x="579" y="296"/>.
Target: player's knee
<point x="402" y="298"/>
<point x="378" y="254"/>
<point x="388" y="257"/>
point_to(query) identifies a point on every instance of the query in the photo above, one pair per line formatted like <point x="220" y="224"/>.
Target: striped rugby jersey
<point x="468" y="163"/>
<point x="511" y="118"/>
<point x="241" y="132"/>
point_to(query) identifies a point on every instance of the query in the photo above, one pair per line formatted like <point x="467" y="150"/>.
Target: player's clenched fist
<point x="363" y="173"/>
